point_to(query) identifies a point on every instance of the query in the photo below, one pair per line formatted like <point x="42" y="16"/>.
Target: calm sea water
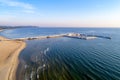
<point x="32" y="32"/>
<point x="68" y="58"/>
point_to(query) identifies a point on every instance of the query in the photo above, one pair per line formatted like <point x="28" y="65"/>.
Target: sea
<point x="68" y="58"/>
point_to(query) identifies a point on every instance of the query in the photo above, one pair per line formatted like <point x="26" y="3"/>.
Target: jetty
<point x="40" y="37"/>
<point x="79" y="36"/>
<point x="69" y="35"/>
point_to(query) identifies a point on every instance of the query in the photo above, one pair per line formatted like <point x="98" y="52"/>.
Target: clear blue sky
<point x="61" y="13"/>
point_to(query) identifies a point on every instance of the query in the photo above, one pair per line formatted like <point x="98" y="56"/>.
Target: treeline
<point x="13" y="27"/>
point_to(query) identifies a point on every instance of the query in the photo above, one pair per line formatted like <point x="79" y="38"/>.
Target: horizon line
<point x="59" y="26"/>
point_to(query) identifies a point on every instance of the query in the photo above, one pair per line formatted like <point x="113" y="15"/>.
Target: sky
<point x="60" y="13"/>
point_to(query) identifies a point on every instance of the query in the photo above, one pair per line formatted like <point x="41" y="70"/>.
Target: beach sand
<point x="9" y="52"/>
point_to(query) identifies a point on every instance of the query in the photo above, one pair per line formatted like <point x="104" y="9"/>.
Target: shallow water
<point x="71" y="59"/>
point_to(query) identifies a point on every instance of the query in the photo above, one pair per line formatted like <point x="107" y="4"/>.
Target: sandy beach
<point x="9" y="52"/>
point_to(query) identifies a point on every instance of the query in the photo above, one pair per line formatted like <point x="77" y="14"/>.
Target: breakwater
<point x="40" y="37"/>
<point x="69" y="35"/>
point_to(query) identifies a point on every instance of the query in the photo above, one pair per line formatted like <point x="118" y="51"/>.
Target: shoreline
<point x="9" y="61"/>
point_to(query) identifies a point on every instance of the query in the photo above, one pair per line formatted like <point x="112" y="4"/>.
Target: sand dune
<point x="9" y="51"/>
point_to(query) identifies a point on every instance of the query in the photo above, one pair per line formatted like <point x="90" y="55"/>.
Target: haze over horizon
<point x="60" y="13"/>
